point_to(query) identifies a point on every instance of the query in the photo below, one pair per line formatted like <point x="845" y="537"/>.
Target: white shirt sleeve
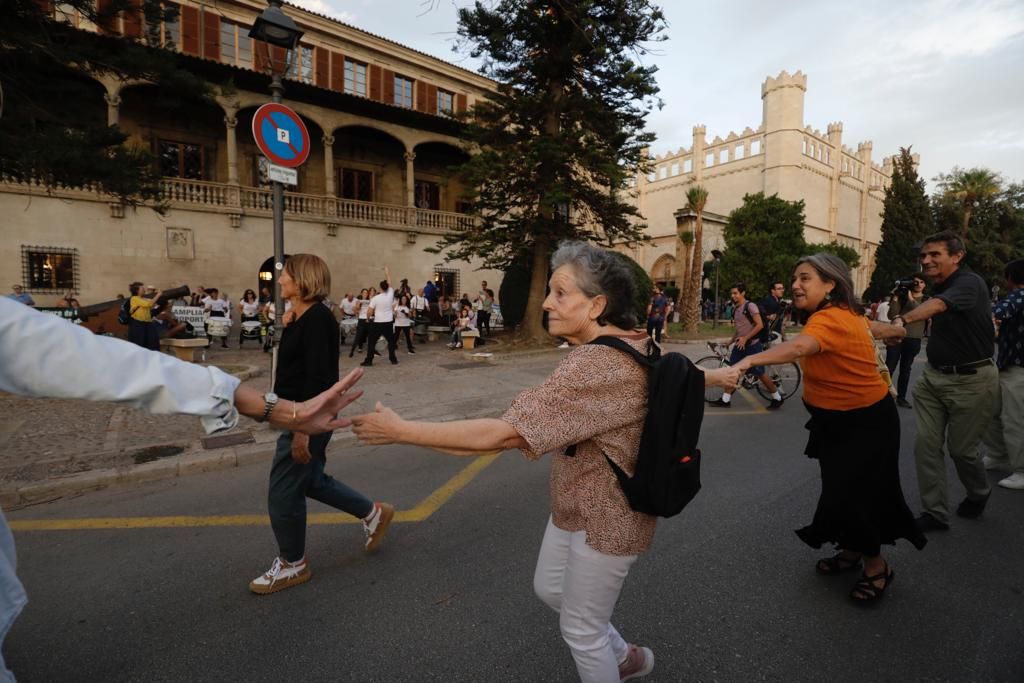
<point x="44" y="356"/>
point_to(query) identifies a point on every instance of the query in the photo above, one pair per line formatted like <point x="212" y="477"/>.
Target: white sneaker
<point x="991" y="463"/>
<point x="376" y="525"/>
<point x="281" y="575"/>
<point x="563" y="345"/>
<point x="1014" y="481"/>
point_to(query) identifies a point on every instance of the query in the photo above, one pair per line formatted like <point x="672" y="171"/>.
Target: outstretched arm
<point x="463" y="437"/>
<point x="387" y="276"/>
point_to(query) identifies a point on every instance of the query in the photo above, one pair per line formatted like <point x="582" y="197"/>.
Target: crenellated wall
<point x="842" y="188"/>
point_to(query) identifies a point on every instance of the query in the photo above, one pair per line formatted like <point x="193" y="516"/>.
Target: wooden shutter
<point x="337" y="71"/>
<point x="387" y="86"/>
<point x="133" y="20"/>
<point x="321" y="67"/>
<point x="211" y="36"/>
<point x="460" y="103"/>
<point x="431" y="99"/>
<point x="375" y="82"/>
<point x="108" y="21"/>
<point x="189" y="30"/>
<point x="46" y="6"/>
<point x="421" y="96"/>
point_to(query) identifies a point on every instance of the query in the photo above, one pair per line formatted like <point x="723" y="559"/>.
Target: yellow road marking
<point x="754" y="403"/>
<point x="422" y="511"/>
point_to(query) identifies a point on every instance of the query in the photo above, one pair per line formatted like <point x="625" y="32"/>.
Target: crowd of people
<point x="590" y="414"/>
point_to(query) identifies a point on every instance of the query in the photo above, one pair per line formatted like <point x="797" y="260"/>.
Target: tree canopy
<point x="906" y="218"/>
<point x="49" y="133"/>
<point x="563" y="133"/>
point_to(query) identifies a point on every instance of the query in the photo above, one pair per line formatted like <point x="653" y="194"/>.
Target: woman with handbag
<point x="593" y="536"/>
<point x="854" y="426"/>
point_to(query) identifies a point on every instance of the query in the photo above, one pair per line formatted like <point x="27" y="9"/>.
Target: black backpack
<point x="667" y="475"/>
<point x="766" y="333"/>
<point x="124" y="315"/>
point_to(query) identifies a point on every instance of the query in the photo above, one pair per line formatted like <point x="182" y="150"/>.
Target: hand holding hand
<point x="320" y="413"/>
<point x="379" y="427"/>
<point x="300" y="448"/>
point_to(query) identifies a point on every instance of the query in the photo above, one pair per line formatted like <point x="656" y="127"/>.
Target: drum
<point x="251" y="329"/>
<point x="348" y="326"/>
<point x="218" y="327"/>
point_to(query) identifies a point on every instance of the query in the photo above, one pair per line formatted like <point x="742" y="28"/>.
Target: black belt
<point x="965" y="369"/>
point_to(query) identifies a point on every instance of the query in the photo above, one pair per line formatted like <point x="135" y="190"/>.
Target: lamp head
<point x="276" y="27"/>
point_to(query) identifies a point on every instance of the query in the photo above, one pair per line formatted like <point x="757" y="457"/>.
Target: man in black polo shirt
<point x="956" y="395"/>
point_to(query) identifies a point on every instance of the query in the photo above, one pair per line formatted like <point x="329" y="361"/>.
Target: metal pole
<point x="715" y="324"/>
<point x="277" y="90"/>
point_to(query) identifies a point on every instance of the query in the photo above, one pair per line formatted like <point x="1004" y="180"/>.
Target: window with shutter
<point x="211" y="35"/>
<point x="189" y="30"/>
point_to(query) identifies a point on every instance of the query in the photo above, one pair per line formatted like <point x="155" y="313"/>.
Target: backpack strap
<point x="646" y="360"/>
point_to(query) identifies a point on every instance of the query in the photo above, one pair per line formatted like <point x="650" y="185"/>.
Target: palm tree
<point x="683" y="260"/>
<point x="968" y="187"/>
<point x="696" y="200"/>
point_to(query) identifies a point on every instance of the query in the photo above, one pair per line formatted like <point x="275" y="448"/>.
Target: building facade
<point x="376" y="191"/>
<point x="842" y="188"/>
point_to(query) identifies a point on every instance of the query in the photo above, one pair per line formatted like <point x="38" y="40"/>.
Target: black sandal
<point x="865" y="591"/>
<point x="837" y="564"/>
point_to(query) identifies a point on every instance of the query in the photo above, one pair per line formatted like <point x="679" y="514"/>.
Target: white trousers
<point x="583" y="585"/>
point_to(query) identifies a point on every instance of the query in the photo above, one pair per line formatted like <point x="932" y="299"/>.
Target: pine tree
<point x="562" y="135"/>
<point x="906" y="218"/>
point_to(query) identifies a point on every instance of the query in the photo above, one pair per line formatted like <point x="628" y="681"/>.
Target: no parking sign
<point x="281" y="135"/>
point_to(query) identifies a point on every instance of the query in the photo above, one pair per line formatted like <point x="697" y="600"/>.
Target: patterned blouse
<point x="597" y="399"/>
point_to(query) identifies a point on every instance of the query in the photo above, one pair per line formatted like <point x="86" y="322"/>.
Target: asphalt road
<point x="727" y="592"/>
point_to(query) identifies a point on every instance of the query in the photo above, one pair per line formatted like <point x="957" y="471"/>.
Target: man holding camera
<point x="908" y="295"/>
<point x="955" y="397"/>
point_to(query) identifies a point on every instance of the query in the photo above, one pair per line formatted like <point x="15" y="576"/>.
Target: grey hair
<point x="833" y="269"/>
<point x="599" y="272"/>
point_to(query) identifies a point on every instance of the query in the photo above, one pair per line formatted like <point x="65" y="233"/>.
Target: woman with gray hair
<point x="596" y="400"/>
<point x="854" y="426"/>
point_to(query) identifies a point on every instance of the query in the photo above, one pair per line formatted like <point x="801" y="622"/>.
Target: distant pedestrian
<point x="142" y="330"/>
<point x="403" y="323"/>
<point x="902" y="356"/>
<point x="656" y="314"/>
<point x="746" y="342"/>
<point x="382" y="312"/>
<point x="19" y="294"/>
<point x="307" y="365"/>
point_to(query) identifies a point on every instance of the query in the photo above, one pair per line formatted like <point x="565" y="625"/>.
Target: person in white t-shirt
<point x="382" y="310"/>
<point x="403" y="323"/>
<point x="348" y="306"/>
<point x="271" y="314"/>
<point x="362" y="309"/>
<point x="248" y="311"/>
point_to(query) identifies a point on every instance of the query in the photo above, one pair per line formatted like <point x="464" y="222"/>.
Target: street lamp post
<point x="717" y="255"/>
<point x="276" y="28"/>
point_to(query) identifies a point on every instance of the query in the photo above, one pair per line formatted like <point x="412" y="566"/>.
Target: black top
<point x="769" y="305"/>
<point x="963" y="333"/>
<point x="1010" y="314"/>
<point x="307" y="360"/>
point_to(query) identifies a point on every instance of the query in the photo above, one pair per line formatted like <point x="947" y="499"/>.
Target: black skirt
<point x="861" y="504"/>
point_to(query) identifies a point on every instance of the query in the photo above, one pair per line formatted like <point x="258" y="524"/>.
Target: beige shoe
<point x="376" y="525"/>
<point x="639" y="662"/>
<point x="281" y="575"/>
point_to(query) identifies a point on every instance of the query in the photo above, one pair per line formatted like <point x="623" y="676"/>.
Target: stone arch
<point x="437" y="186"/>
<point x="665" y="270"/>
<point x="369" y="164"/>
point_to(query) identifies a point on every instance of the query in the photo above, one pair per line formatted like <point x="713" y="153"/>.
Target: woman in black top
<point x="307" y="364"/>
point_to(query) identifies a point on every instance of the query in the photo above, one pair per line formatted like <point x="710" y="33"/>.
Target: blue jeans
<point x="291" y="483"/>
<point x="903" y="356"/>
<point x="739" y="354"/>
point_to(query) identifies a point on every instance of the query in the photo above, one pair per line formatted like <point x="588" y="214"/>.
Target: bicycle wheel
<point x="786" y="377"/>
<point x="711" y="394"/>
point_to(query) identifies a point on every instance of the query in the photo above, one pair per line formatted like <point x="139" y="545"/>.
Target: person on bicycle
<point x="748" y="322"/>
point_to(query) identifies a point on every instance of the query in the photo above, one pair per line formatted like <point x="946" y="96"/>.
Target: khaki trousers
<point x="955" y="411"/>
<point x="1004" y="439"/>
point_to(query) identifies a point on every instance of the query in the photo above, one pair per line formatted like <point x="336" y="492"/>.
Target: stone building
<point x="842" y="188"/>
<point x="375" y="191"/>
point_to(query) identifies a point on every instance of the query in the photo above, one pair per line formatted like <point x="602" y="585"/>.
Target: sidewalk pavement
<point x="54" y="448"/>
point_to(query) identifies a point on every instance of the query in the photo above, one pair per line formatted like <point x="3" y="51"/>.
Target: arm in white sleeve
<point x="44" y="356"/>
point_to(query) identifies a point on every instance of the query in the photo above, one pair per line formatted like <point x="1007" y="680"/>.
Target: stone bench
<point x="183" y="349"/>
<point x="434" y="330"/>
<point x="469" y="338"/>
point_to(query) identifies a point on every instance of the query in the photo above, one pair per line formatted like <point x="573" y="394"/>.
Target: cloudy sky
<point x="945" y="76"/>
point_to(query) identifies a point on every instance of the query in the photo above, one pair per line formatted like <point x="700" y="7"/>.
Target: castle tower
<point x="835" y="138"/>
<point x="783" y="120"/>
<point x="699" y="141"/>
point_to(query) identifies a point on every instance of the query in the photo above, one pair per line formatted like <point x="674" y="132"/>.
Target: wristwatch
<point x="269" y="401"/>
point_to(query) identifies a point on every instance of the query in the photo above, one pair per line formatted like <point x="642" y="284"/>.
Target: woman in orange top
<point x="854" y="426"/>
